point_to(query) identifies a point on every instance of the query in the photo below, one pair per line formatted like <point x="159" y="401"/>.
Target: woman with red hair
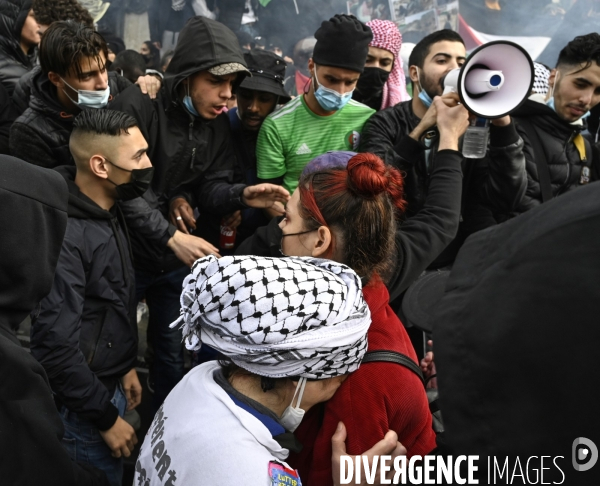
<point x="346" y="208"/>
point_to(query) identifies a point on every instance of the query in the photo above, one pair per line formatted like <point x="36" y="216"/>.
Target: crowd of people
<point x="310" y="234"/>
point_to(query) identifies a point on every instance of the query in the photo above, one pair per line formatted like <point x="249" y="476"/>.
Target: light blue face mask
<point x="189" y="104"/>
<point x="89" y="99"/>
<point x="330" y="99"/>
<point x="423" y="96"/>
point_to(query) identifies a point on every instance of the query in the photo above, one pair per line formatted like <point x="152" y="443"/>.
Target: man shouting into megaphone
<point x="406" y="136"/>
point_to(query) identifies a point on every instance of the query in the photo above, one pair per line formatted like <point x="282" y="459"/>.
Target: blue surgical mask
<point x="188" y="103"/>
<point x="89" y="99"/>
<point x="423" y="96"/>
<point x="330" y="99"/>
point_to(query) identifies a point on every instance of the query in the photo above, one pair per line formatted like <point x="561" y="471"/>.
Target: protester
<point x="406" y="137"/>
<point x="298" y="78"/>
<point x="48" y="11"/>
<point x="19" y="37"/>
<point x="166" y="60"/>
<point x="33" y="211"/>
<point x="345" y="208"/>
<point x="166" y="19"/>
<point x="129" y="64"/>
<point x="257" y="97"/>
<point x="559" y="159"/>
<point x="191" y="149"/>
<point x="532" y="281"/>
<point x="72" y="77"/>
<point x="151" y="55"/>
<point x="382" y="84"/>
<point x="276" y="363"/>
<point x="114" y="44"/>
<point x="326" y="117"/>
<point x="85" y="332"/>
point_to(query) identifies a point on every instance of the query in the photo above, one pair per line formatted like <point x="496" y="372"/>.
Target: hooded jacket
<point x="14" y="63"/>
<point x="564" y="162"/>
<point x="85" y="331"/>
<point x="41" y="134"/>
<point x="33" y="215"/>
<point x="192" y="157"/>
<point x="496" y="182"/>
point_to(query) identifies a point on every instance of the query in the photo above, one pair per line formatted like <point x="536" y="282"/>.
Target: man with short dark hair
<point x="73" y="77"/>
<point x="190" y="146"/>
<point x="406" y="137"/>
<point x="130" y="64"/>
<point x="559" y="159"/>
<point x="85" y="333"/>
<point x="326" y="117"/>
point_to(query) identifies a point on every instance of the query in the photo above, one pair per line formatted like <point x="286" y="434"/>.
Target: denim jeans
<point x="84" y="443"/>
<point x="162" y="292"/>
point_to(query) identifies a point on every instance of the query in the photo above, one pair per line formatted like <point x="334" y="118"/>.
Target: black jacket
<point x="41" y="134"/>
<point x="564" y="162"/>
<point x="33" y="220"/>
<point x="516" y="339"/>
<point x="85" y="332"/>
<point x="7" y="118"/>
<point x="14" y="63"/>
<point x="419" y="240"/>
<point x="500" y="177"/>
<point x="192" y="157"/>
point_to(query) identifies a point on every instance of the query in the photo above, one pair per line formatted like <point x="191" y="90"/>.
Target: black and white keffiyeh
<point x="277" y="317"/>
<point x="541" y="84"/>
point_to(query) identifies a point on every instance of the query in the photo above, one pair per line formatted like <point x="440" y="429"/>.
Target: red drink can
<point x="227" y="241"/>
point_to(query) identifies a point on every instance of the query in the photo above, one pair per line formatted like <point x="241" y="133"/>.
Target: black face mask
<point x="139" y="184"/>
<point x="369" y="88"/>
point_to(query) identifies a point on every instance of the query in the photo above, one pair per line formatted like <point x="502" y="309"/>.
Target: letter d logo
<point x="585" y="454"/>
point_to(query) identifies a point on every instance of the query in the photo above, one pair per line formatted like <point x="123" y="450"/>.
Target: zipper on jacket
<point x="193" y="158"/>
<point x="96" y="339"/>
<point x="566" y="183"/>
<point x="191" y="130"/>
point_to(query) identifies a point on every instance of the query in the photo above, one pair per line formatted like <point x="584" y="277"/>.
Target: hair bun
<point x="367" y="175"/>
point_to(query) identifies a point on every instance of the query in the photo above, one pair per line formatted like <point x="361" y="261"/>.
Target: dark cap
<point x="342" y="41"/>
<point x="268" y="73"/>
<point x="420" y="301"/>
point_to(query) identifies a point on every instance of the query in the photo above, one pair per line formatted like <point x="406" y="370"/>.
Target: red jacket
<point x="376" y="398"/>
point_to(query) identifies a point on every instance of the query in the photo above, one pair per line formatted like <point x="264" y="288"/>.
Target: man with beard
<point x="405" y="136"/>
<point x="257" y="97"/>
<point x="559" y="159"/>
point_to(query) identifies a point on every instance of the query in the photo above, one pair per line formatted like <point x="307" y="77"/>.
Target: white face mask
<point x="292" y="416"/>
<point x="89" y="99"/>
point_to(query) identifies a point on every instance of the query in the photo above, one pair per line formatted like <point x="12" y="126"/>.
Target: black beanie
<point x="342" y="41"/>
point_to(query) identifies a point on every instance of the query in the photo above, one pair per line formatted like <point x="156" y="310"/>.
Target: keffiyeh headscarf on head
<point x="277" y="317"/>
<point x="387" y="36"/>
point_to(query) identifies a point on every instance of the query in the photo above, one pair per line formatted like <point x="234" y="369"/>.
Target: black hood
<point x="43" y="96"/>
<point x="203" y="43"/>
<point x="80" y="206"/>
<point x="33" y="218"/>
<point x="12" y="17"/>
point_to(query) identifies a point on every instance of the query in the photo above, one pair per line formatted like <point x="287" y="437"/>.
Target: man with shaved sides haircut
<point x="559" y="158"/>
<point x="325" y="117"/>
<point x="85" y="333"/>
<point x="406" y="137"/>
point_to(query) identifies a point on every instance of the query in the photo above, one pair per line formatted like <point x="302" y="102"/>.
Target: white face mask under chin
<point x="292" y="416"/>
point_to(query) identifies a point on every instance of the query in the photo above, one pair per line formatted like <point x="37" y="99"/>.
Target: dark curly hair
<point x="584" y="49"/>
<point x="48" y="11"/>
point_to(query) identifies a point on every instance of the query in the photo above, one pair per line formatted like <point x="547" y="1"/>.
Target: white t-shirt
<point x="200" y="437"/>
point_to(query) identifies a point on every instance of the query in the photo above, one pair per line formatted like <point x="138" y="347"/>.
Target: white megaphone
<point x="496" y="78"/>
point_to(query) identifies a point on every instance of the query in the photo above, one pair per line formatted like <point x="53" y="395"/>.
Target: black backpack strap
<point x="394" y="357"/>
<point x="541" y="160"/>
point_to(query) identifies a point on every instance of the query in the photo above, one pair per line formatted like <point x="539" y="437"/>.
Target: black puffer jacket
<point x="186" y="151"/>
<point x="33" y="220"/>
<point x="41" y="134"/>
<point x="563" y="159"/>
<point x="85" y="332"/>
<point x="14" y="63"/>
